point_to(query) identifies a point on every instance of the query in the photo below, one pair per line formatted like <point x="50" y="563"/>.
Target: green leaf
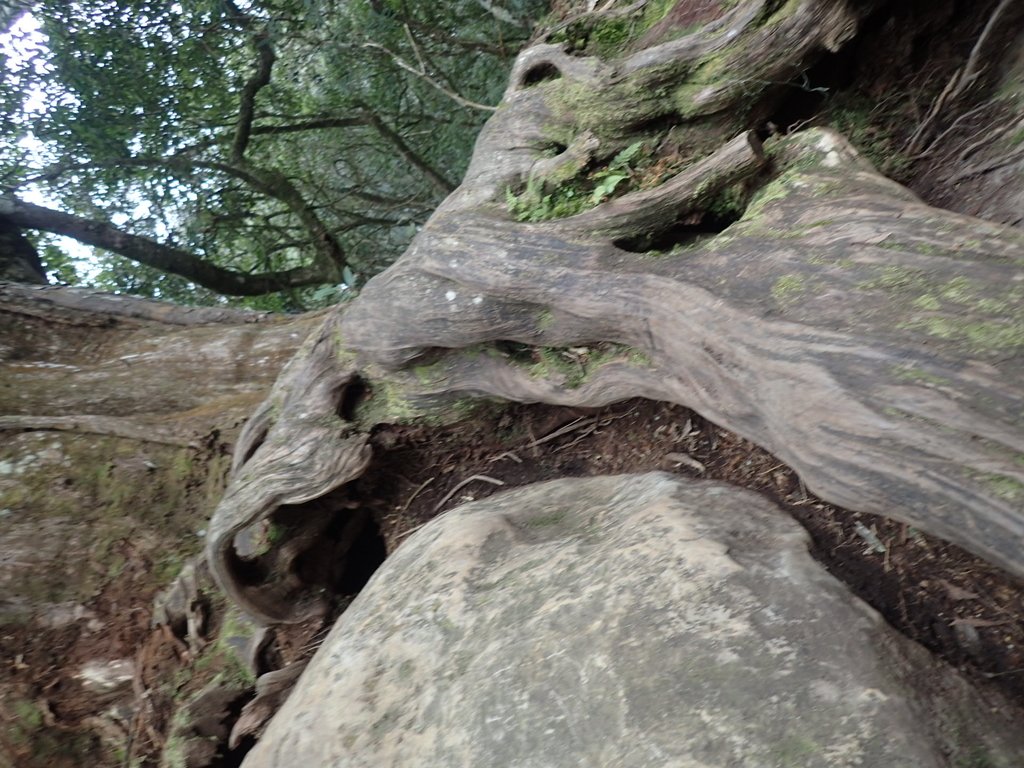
<point x="606" y="186"/>
<point x="624" y="157"/>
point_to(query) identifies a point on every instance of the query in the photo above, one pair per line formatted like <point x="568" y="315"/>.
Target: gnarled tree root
<point x="868" y="340"/>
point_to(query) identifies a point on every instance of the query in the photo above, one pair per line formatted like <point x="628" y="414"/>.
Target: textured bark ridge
<point x="870" y="341"/>
<point x="76" y="360"/>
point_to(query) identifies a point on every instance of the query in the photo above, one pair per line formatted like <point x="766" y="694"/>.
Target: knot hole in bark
<point x="539" y="73"/>
<point x="349" y="396"/>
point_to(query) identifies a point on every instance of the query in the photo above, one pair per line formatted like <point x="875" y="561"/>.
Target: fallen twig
<point x="506" y="455"/>
<point x="683" y="459"/>
<point x="870" y="537"/>
<point x="572" y="426"/>
<point x="416" y="493"/>
<point x="463" y="484"/>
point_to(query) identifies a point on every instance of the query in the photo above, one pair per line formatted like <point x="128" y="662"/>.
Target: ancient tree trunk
<point x="870" y="341"/>
<point x="89" y="362"/>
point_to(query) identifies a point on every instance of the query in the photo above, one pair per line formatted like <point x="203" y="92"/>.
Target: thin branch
<point x="444" y="38"/>
<point x="988" y="138"/>
<point x="275" y="185"/>
<point x="402" y="63"/>
<point x="247" y="106"/>
<point x="606" y="12"/>
<point x="443" y="185"/>
<point x="266" y="181"/>
<point x="502" y="14"/>
<point x="971" y="69"/>
<point x="316" y="124"/>
<point x="980" y="169"/>
<point x="54" y="172"/>
<point x="959" y="83"/>
<point x="463" y="484"/>
<point x="938" y="139"/>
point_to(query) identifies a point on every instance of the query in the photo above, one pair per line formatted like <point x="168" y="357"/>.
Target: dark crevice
<point x="331" y="544"/>
<point x="540" y="73"/>
<point x="367" y="554"/>
<point x="233" y="758"/>
<point x="254" y="445"/>
<point x="351" y="395"/>
<point x="247" y="571"/>
<point x="800" y="101"/>
<point x="683" y="234"/>
<point x="515" y="351"/>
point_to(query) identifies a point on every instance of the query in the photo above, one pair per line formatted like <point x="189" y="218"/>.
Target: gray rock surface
<point x="624" y="621"/>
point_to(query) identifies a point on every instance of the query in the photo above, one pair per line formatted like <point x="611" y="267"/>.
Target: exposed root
<point x="463" y="484"/>
<point x="965" y="78"/>
<point x="657" y="209"/>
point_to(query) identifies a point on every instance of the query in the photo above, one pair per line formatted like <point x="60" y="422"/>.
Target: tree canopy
<point x="245" y="148"/>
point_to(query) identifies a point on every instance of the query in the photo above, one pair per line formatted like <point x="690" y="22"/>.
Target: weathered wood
<point x="73" y="360"/>
<point x="870" y="341"/>
<point x="82" y="306"/>
<point x="693" y="190"/>
<point x="296" y="448"/>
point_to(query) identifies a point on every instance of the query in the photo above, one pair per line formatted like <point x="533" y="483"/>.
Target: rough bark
<point x="870" y="341"/>
<point x="117" y="419"/>
<point x="82" y="361"/>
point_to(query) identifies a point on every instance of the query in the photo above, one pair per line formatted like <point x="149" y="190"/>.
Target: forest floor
<point x="964" y="610"/>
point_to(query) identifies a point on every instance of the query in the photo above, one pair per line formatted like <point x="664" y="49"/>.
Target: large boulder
<point x="624" y="621"/>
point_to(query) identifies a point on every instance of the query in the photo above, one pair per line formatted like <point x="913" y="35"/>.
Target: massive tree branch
<point x="83" y="306"/>
<point x="19" y="260"/>
<point x="185" y="155"/>
<point x="153" y="254"/>
<point x="268" y="182"/>
<point x="421" y="73"/>
<point x="871" y="342"/>
<point x="103" y="425"/>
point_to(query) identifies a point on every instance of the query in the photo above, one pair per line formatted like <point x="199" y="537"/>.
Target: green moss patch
<point x="574" y="366"/>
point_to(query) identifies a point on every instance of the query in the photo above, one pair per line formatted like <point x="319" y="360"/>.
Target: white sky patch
<point x="25" y="49"/>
